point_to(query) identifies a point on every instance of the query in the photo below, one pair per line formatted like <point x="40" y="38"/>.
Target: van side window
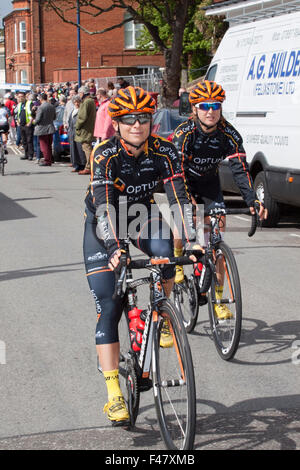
<point x="211" y="73"/>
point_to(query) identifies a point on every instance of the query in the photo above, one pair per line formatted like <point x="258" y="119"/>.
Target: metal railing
<point x="150" y="82"/>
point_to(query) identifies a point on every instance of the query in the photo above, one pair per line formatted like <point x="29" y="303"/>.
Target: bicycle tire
<point x="186" y="301"/>
<point x="173" y="378"/>
<point x="226" y="333"/>
<point x="2" y="161"/>
<point x="127" y="370"/>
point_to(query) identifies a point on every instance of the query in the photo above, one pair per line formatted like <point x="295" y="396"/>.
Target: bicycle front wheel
<point x="225" y="303"/>
<point x="186" y="300"/>
<point x="173" y="380"/>
<point x="127" y="370"/>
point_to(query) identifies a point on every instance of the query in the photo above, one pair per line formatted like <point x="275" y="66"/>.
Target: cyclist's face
<point x="210" y="117"/>
<point x="135" y="133"/>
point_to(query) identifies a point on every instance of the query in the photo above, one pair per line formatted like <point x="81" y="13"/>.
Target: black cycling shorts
<point x="102" y="280"/>
<point x="4" y="128"/>
<point x="208" y="192"/>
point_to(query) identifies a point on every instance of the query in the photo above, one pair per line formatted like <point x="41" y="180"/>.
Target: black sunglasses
<point x="131" y="119"/>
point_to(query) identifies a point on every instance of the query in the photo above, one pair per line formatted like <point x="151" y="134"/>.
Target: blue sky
<point x="5" y="7"/>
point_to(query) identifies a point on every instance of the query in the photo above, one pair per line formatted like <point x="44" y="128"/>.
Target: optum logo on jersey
<point x="2" y="353"/>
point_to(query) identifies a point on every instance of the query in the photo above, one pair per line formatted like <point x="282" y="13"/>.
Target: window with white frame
<point x="132" y="32"/>
<point x="24" y="76"/>
<point x="16" y="37"/>
<point x="22" y="27"/>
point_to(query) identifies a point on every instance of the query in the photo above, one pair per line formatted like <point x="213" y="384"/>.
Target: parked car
<point x="61" y="145"/>
<point x="166" y="120"/>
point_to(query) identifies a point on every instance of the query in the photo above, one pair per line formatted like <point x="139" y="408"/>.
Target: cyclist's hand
<point x="196" y="247"/>
<point x="262" y="212"/>
<point x="114" y="260"/>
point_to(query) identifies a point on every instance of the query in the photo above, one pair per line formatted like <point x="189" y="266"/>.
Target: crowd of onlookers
<point x="29" y="120"/>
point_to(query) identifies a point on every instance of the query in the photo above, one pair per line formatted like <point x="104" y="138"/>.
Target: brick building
<point x="41" y="48"/>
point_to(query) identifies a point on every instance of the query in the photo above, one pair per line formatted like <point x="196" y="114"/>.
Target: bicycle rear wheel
<point x="186" y="300"/>
<point x="127" y="370"/>
<point x="2" y="161"/>
<point x="174" y="382"/>
<point x="226" y="333"/>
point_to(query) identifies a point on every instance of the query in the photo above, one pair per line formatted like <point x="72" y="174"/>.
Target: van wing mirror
<point x="185" y="108"/>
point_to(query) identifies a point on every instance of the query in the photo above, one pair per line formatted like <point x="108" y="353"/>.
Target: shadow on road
<point x="10" y="210"/>
<point x="263" y="341"/>
<point x="260" y="423"/>
<point x="30" y="173"/>
<point x="40" y="271"/>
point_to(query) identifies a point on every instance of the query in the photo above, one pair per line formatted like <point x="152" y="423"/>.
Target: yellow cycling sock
<point x="178" y="252"/>
<point x="219" y="292"/>
<point x="112" y="383"/>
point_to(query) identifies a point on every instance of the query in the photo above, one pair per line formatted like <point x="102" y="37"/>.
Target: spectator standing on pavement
<point x="103" y="124"/>
<point x="59" y="118"/>
<point x="36" y="142"/>
<point x="92" y="87"/>
<point x="10" y="105"/>
<point x="24" y="120"/>
<point x="78" y="158"/>
<point x="123" y="83"/>
<point x="45" y="128"/>
<point x="85" y="125"/>
<point x="51" y="98"/>
<point x="112" y="91"/>
<point x="68" y="109"/>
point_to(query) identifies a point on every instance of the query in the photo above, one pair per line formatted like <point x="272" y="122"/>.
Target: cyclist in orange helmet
<point x="128" y="166"/>
<point x="203" y="142"/>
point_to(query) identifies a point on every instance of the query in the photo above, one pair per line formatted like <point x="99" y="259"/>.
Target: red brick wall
<point x="49" y="37"/>
<point x="60" y="44"/>
<point x="22" y="59"/>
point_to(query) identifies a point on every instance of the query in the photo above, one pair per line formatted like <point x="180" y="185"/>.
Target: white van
<point x="258" y="64"/>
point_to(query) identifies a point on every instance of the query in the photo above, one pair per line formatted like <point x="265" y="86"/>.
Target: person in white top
<point x="4" y="125"/>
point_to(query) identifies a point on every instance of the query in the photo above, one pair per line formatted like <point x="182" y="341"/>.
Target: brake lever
<point x="119" y="279"/>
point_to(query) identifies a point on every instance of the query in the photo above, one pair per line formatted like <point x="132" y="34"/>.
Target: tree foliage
<point x="176" y="28"/>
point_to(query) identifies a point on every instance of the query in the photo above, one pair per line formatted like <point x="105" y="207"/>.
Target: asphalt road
<point x="51" y="392"/>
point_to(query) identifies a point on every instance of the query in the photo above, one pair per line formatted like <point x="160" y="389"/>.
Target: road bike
<point x="218" y="284"/>
<point x="3" y="159"/>
<point x="168" y="370"/>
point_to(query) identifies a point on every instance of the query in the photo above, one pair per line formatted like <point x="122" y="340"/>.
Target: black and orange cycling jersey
<point x="115" y="172"/>
<point x="202" y="153"/>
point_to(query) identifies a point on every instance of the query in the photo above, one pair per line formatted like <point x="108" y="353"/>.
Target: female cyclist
<point x="203" y="142"/>
<point x="124" y="172"/>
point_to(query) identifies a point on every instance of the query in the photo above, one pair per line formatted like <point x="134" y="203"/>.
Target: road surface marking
<point x="241" y="218"/>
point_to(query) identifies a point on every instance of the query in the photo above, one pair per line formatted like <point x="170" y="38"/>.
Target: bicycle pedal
<point x="145" y="384"/>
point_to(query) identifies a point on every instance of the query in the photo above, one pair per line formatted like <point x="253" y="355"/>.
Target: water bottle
<point x="136" y="327"/>
<point x="198" y="269"/>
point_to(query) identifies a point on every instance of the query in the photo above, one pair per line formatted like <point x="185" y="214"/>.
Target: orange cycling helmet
<point x="206" y="91"/>
<point x="131" y="100"/>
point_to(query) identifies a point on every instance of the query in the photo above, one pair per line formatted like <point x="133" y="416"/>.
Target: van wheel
<point x="263" y="195"/>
